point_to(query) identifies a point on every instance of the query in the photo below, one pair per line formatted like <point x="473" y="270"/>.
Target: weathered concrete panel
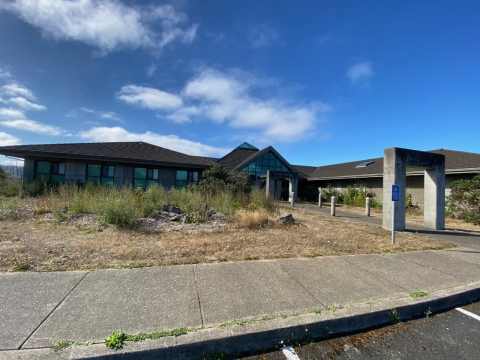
<point x="395" y="163"/>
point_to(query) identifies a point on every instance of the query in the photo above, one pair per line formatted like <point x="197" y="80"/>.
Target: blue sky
<point x="321" y="81"/>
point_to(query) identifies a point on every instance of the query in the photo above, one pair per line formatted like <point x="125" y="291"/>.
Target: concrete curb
<point x="260" y="336"/>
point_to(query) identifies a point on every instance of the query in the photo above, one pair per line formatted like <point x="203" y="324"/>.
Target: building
<point x="141" y="164"/>
<point x="368" y="174"/>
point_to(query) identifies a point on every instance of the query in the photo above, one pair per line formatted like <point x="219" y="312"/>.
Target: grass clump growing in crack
<point x="240" y="322"/>
<point x="333" y="307"/>
<point x="417" y="294"/>
<point x="395" y="316"/>
<point x="115" y="340"/>
<point x="63" y="344"/>
<point x="316" y="311"/>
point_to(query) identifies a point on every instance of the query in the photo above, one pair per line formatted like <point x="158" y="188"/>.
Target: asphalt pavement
<point x="235" y="306"/>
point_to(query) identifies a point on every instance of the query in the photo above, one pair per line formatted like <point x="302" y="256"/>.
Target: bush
<point x="333" y="192"/>
<point x="358" y="197"/>
<point x="217" y="179"/>
<point x="464" y="200"/>
<point x="10" y="187"/>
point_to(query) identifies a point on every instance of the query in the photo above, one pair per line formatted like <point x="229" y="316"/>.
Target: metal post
<point x="320" y="197"/>
<point x="291" y="200"/>
<point x="393" y="223"/>
<point x="367" y="207"/>
<point x="332" y="206"/>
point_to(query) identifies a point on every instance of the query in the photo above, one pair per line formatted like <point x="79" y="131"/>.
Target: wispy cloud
<point x="108" y="115"/>
<point x="32" y="126"/>
<point x="4" y="74"/>
<point x="25" y="104"/>
<point x="360" y="73"/>
<point x="150" y="70"/>
<point x="149" y="98"/>
<point x="226" y="97"/>
<point x="8" y="140"/>
<point x="108" y="25"/>
<point x="322" y="39"/>
<point x="72" y="114"/>
<point x="16" y="89"/>
<point x="263" y="35"/>
<point x="173" y="142"/>
<point x="9" y="113"/>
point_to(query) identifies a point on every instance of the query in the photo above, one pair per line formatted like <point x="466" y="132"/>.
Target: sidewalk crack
<point x="300" y="284"/>
<point x="51" y="312"/>
<point x="198" y="295"/>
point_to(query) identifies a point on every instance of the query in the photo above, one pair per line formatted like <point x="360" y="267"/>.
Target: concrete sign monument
<point x="395" y="164"/>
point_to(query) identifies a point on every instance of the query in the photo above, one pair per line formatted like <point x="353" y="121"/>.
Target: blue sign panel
<point x="395" y="192"/>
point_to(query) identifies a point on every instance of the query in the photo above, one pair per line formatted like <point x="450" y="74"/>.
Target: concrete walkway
<point x="37" y="310"/>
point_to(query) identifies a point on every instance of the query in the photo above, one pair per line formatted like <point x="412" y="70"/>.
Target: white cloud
<point x="4" y="74"/>
<point x="148" y="98"/>
<point x="25" y="104"/>
<point x="9" y="113"/>
<point x="110" y="115"/>
<point x="32" y="126"/>
<point x="87" y="110"/>
<point x="224" y="97"/>
<point x="173" y="142"/>
<point x="263" y="35"/>
<point x="360" y="73"/>
<point x="71" y="114"/>
<point x="150" y="69"/>
<point x="16" y="89"/>
<point x="108" y="25"/>
<point x="8" y="140"/>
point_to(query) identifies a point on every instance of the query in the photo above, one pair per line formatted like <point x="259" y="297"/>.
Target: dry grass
<point x="51" y="245"/>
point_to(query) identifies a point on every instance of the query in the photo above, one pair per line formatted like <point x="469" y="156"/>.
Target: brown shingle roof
<point x="236" y="157"/>
<point x="454" y="161"/>
<point x="304" y="170"/>
<point x="112" y="151"/>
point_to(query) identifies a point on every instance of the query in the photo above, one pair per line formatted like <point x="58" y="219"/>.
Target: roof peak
<point x="246" y="145"/>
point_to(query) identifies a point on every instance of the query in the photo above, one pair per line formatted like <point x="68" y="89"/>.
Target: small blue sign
<point x="395" y="192"/>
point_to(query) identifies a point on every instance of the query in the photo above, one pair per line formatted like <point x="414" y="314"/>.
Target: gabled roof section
<point x="260" y="153"/>
<point x="136" y="152"/>
<point x="455" y="162"/>
<point x="237" y="156"/>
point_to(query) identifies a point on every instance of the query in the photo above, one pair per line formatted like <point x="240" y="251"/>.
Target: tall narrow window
<point x="184" y="177"/>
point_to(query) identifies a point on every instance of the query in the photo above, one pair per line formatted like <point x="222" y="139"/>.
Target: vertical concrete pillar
<point x="394" y="172"/>
<point x="320" y="197"/>
<point x="367" y="207"/>
<point x="293" y="186"/>
<point x="332" y="206"/>
<point x="434" y="209"/>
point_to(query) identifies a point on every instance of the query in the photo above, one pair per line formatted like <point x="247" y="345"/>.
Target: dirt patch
<point x="61" y="242"/>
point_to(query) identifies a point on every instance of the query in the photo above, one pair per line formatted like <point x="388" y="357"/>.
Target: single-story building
<point x="141" y="164"/>
<point x="368" y="174"/>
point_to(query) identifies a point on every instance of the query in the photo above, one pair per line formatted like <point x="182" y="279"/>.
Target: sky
<point x="322" y="82"/>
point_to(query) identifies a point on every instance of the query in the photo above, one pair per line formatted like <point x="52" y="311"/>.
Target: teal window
<point x="50" y="172"/>
<point x="267" y="161"/>
<point x="144" y="178"/>
<point x="101" y="174"/>
<point x="184" y="177"/>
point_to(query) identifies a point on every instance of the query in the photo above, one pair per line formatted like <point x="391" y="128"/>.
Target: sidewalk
<point x="37" y="310"/>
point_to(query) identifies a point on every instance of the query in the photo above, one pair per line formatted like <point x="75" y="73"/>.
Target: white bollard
<point x="319" y="197"/>
<point x="367" y="207"/>
<point x="291" y="200"/>
<point x="332" y="206"/>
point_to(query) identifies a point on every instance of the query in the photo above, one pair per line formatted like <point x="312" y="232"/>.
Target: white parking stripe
<point x="475" y="316"/>
<point x="289" y="353"/>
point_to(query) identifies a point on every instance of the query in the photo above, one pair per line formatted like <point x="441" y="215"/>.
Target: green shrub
<point x="464" y="200"/>
<point x="330" y="191"/>
<point x="10" y="187"/>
